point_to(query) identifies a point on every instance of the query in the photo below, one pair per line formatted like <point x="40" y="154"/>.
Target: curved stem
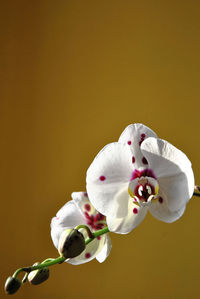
<point x="90" y="234"/>
<point x="97" y="234"/>
<point x="46" y="263"/>
<point x="51" y="261"/>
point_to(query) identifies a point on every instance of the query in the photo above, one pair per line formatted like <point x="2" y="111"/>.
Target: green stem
<point x="50" y="261"/>
<point x="97" y="234"/>
<point x="90" y="234"/>
<point x="44" y="264"/>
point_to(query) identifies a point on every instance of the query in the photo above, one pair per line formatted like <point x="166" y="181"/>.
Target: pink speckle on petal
<point x="129" y="142"/>
<point x="133" y="159"/>
<point x="160" y="199"/>
<point x="98" y="238"/>
<point x="135" y="211"/>
<point x="57" y="218"/>
<point x="144" y="160"/>
<point x="87" y="255"/>
<point x="102" y="178"/>
<point x="87" y="207"/>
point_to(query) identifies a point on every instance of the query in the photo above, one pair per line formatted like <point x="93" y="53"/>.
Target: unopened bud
<point x="12" y="285"/>
<point x="71" y="243"/>
<point x="38" y="276"/>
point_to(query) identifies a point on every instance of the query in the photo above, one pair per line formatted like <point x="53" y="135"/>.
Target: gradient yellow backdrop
<point x="73" y="75"/>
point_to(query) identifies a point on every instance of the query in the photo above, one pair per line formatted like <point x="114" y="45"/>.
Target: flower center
<point x="96" y="221"/>
<point x="143" y="190"/>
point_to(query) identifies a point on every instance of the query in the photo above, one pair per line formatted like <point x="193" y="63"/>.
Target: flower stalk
<point x="52" y="261"/>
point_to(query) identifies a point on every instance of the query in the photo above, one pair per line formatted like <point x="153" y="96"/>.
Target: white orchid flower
<point x="138" y="173"/>
<point x="80" y="211"/>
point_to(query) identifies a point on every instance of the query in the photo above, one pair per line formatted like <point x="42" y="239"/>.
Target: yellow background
<point x="73" y="75"/>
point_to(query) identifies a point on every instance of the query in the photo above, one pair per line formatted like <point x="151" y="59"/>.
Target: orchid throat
<point x="143" y="189"/>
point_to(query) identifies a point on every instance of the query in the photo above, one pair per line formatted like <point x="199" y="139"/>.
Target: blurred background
<point x="73" y="75"/>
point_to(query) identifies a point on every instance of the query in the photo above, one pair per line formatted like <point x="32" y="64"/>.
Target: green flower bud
<point x="38" y="276"/>
<point x="12" y="285"/>
<point x="71" y="243"/>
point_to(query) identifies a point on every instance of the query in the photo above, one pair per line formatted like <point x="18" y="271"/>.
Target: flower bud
<point x="71" y="243"/>
<point x="38" y="276"/>
<point x="12" y="285"/>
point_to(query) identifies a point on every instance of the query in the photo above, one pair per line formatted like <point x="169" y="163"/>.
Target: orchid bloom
<point x="138" y="173"/>
<point x="78" y="211"/>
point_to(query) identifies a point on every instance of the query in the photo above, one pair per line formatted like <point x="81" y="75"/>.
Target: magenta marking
<point x="99" y="217"/>
<point x="102" y="178"/>
<point x="99" y="238"/>
<point x="142" y="138"/>
<point x="135" y="211"/>
<point x="129" y="142"/>
<point x="144" y="160"/>
<point x="145" y="172"/>
<point x="87" y="207"/>
<point x="133" y="159"/>
<point x="93" y="220"/>
<point x="85" y="194"/>
<point x="160" y="199"/>
<point x="87" y="255"/>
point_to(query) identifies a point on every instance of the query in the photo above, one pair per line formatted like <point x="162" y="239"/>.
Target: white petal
<point x="82" y="202"/>
<point x="56" y="232"/>
<point x="108" y="177"/>
<point x="91" y="251"/>
<point x="124" y="225"/>
<point x="173" y="170"/>
<point x="68" y="216"/>
<point x="160" y="210"/>
<point x="103" y="254"/>
<point x="134" y="135"/>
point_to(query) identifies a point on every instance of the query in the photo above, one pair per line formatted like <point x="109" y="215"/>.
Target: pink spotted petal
<point x="103" y="254"/>
<point x="57" y="227"/>
<point x="160" y="210"/>
<point x="126" y="224"/>
<point x="134" y="135"/>
<point x="92" y="250"/>
<point x="82" y="202"/>
<point x="110" y="196"/>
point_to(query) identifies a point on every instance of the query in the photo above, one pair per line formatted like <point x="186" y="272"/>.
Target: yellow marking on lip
<point x="156" y="189"/>
<point x="136" y="203"/>
<point x="133" y="196"/>
<point x="131" y="193"/>
<point x="155" y="199"/>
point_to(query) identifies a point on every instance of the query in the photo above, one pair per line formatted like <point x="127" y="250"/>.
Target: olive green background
<point x="73" y="75"/>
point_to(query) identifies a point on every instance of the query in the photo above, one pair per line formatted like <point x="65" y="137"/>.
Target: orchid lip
<point x="144" y="203"/>
<point x="143" y="190"/>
